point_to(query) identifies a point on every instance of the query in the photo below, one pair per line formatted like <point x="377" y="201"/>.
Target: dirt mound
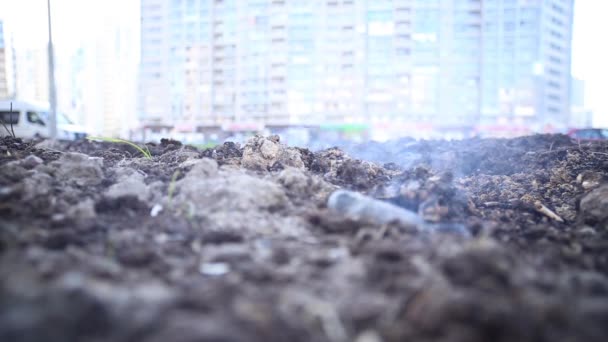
<point x="237" y="243"/>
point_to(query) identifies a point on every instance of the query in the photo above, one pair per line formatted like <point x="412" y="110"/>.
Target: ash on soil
<point x="235" y="243"/>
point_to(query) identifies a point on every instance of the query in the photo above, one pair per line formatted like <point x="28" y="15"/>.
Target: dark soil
<point x="236" y="243"/>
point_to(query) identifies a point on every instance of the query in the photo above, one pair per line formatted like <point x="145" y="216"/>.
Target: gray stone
<point x="261" y="153"/>
<point x="294" y="179"/>
<point x="13" y="171"/>
<point x="233" y="191"/>
<point x="304" y="188"/>
<point x="83" y="210"/>
<point x="78" y="169"/>
<point x="129" y="186"/>
<point x="49" y="170"/>
<point x="31" y="162"/>
<point x="269" y="149"/>
<point x="130" y="182"/>
<point x="594" y="206"/>
<point x="237" y="201"/>
<point x="202" y="168"/>
<point x="36" y="184"/>
<point x="122" y="173"/>
<point x="291" y="157"/>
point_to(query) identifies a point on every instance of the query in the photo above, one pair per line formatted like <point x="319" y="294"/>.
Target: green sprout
<point x="145" y="152"/>
<point x="171" y="189"/>
<point x="205" y="145"/>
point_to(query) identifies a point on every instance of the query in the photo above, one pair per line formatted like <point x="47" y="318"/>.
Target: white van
<point x="29" y="120"/>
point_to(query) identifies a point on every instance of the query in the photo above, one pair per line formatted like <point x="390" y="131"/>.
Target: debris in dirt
<point x="169" y="145"/>
<point x="590" y="180"/>
<point x="227" y="153"/>
<point x="356" y="206"/>
<point x="302" y="187"/>
<point x="431" y="210"/>
<point x="357" y="174"/>
<point x="326" y="160"/>
<point x="245" y="240"/>
<point x="156" y="209"/>
<point x="541" y="208"/>
<point x="360" y="207"/>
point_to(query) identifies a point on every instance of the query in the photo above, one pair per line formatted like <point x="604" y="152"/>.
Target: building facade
<point x="96" y="69"/>
<point x="7" y="64"/>
<point x="580" y="115"/>
<point x="297" y="62"/>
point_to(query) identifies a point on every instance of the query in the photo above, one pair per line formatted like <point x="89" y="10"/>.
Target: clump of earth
<point x="237" y="243"/>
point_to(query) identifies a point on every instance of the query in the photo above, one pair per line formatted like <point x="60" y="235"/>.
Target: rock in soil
<point x="237" y="243"/>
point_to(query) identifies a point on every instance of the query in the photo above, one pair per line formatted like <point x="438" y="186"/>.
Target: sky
<point x="590" y="55"/>
<point x="74" y="20"/>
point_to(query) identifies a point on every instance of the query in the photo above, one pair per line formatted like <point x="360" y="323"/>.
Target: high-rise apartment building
<point x="7" y="64"/>
<point x="96" y="69"/>
<point x="32" y="66"/>
<point x="580" y="115"/>
<point x="441" y="62"/>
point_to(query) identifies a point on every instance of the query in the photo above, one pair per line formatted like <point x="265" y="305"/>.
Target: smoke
<point x="462" y="158"/>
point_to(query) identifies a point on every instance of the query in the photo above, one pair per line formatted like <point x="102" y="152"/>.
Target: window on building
<point x="8" y="118"/>
<point x="35" y="118"/>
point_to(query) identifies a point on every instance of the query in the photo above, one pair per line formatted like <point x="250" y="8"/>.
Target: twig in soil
<point x="145" y="152"/>
<point x="6" y="128"/>
<point x="12" y="129"/>
<point x="10" y="120"/>
<point x="602" y="153"/>
<point x="541" y="208"/>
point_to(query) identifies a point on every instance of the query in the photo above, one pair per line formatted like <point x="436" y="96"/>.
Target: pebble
<point x="31" y="162"/>
<point x="156" y="209"/>
<point x="214" y="268"/>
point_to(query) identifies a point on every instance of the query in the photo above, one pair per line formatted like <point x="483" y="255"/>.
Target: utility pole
<point x="52" y="91"/>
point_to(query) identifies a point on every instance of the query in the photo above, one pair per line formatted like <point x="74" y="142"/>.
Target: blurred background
<point x="317" y="72"/>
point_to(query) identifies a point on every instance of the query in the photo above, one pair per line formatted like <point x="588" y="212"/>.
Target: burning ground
<point x="236" y="243"/>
